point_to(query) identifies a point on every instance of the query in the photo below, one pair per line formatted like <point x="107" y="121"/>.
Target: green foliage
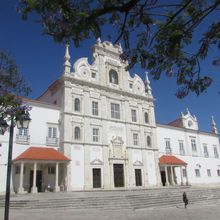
<point x="155" y="34"/>
<point x="12" y="84"/>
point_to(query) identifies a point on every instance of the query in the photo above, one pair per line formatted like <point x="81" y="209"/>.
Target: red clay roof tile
<point x="171" y="160"/>
<point x="42" y="153"/>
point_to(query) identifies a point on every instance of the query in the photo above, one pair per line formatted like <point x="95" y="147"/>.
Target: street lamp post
<point x="21" y="117"/>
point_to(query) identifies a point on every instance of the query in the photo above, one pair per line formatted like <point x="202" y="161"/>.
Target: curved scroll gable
<point x="83" y="69"/>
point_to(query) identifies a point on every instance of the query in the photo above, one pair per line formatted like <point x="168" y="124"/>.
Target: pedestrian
<point x="185" y="199"/>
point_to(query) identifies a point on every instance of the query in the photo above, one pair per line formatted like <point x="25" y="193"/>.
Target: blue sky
<point x="41" y="60"/>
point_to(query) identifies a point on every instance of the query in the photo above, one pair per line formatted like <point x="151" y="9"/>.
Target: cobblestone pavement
<point x="194" y="212"/>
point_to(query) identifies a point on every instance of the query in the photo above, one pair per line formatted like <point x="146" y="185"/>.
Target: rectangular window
<point x="22" y="136"/>
<point x="23" y="132"/>
<point x="115" y="110"/>
<point x="52" y="135"/>
<point x="135" y="139"/>
<point x="17" y="170"/>
<point x="193" y="144"/>
<point x="95" y="135"/>
<point x="197" y="172"/>
<point x="181" y="148"/>
<point x="218" y="173"/>
<point x="95" y="110"/>
<point x="205" y="150"/>
<point x="168" y="148"/>
<point x="51" y="170"/>
<point x="93" y="75"/>
<point x="209" y="173"/>
<point x="184" y="172"/>
<point x="133" y="115"/>
<point x="215" y="152"/>
<point x="52" y="132"/>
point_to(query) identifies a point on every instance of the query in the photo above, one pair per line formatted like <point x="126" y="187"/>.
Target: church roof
<point x="176" y="123"/>
<point x="41" y="153"/>
<point x="171" y="160"/>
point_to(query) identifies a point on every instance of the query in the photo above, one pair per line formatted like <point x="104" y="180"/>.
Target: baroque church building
<point x="95" y="128"/>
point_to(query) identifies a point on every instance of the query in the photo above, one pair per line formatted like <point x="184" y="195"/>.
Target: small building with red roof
<point x="42" y="167"/>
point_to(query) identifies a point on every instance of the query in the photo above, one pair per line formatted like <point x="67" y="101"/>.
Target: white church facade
<point x="95" y="128"/>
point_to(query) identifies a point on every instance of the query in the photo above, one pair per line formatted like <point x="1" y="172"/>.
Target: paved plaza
<point x="193" y="212"/>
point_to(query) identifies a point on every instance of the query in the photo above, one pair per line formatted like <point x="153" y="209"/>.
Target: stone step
<point x="108" y="205"/>
<point x="113" y="200"/>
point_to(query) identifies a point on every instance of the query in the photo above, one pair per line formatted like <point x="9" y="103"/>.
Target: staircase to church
<point x="112" y="200"/>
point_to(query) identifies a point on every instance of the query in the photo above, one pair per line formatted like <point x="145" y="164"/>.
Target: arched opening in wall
<point x="77" y="133"/>
<point x="77" y="105"/>
<point x="113" y="77"/>
<point x="148" y="141"/>
<point x="146" y="117"/>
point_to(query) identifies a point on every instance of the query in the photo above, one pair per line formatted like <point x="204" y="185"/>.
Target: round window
<point x="190" y="123"/>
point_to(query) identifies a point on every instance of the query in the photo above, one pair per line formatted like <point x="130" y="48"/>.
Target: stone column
<point x="126" y="185"/>
<point x="128" y="172"/>
<point x="187" y="183"/>
<point x="166" y="174"/>
<point x="181" y="174"/>
<point x="102" y="177"/>
<point x="172" y="177"/>
<point x="65" y="177"/>
<point x="111" y="175"/>
<point x="21" y="189"/>
<point x="34" y="187"/>
<point x="57" y="178"/>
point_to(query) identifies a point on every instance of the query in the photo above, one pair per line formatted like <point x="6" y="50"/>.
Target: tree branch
<point x="122" y="29"/>
<point x="105" y="10"/>
<point x="169" y="22"/>
<point x="207" y="11"/>
<point x="163" y="6"/>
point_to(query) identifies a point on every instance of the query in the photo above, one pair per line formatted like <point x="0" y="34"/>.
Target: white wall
<point x="41" y="115"/>
<point x="77" y="167"/>
<point x="151" y="168"/>
<point x="198" y="161"/>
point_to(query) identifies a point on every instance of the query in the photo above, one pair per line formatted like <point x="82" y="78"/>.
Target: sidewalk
<point x="194" y="212"/>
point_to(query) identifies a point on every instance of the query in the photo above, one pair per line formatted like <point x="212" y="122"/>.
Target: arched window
<point x="113" y="77"/>
<point x="77" y="105"/>
<point x="77" y="133"/>
<point x="148" y="141"/>
<point x="146" y="117"/>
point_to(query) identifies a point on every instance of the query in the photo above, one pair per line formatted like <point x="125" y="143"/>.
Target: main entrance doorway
<point x="96" y="177"/>
<point x="119" y="175"/>
<point x="38" y="180"/>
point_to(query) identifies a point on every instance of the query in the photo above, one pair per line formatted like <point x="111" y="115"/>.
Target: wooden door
<point x="119" y="175"/>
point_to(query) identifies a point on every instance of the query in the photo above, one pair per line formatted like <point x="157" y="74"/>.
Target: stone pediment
<point x="117" y="141"/>
<point x="96" y="162"/>
<point x="138" y="163"/>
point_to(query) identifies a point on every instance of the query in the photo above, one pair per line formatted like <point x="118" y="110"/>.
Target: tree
<point x="155" y="33"/>
<point x="12" y="83"/>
